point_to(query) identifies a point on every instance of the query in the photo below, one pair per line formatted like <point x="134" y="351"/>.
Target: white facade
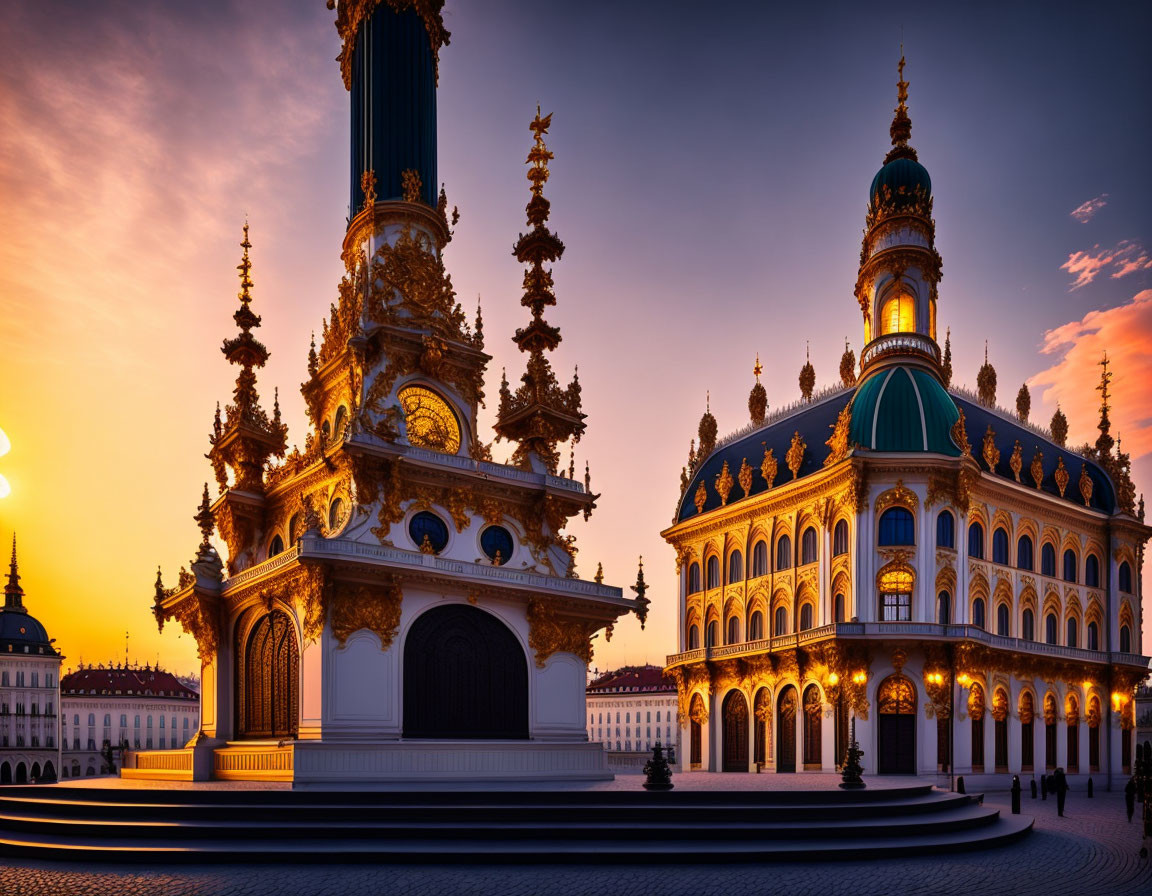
<point x="29" y="705"/>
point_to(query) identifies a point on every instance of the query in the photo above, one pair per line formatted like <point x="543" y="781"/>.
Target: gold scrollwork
<point x="375" y="607"/>
<point x="990" y="452"/>
<point x="795" y="456"/>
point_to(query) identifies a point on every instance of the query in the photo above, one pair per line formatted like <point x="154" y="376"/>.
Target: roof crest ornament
<point x="901" y="129"/>
<point x="13" y="593"/>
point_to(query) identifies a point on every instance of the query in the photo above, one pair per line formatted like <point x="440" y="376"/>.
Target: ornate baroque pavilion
<point x="958" y="580"/>
<point x="394" y="604"/>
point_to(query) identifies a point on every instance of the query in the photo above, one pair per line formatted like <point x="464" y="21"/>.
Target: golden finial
<point x="642" y="600"/>
<point x="539" y="155"/>
<point x="758" y="369"/>
<point x="245" y="269"/>
<point x="599" y="577"/>
<point x="204" y="518"/>
<point x="901" y="129"/>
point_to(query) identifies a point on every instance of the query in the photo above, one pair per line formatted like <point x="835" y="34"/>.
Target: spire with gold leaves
<point x="204" y="519"/>
<point x="641" y="590"/>
<point x="248" y="437"/>
<point x="848" y="366"/>
<point x="1104" y="442"/>
<point x="757" y="398"/>
<point x="986" y="381"/>
<point x="901" y="129"/>
<point x="707" y="431"/>
<point x="540" y="414"/>
<point x="807" y="377"/>
<point x="13" y="593"/>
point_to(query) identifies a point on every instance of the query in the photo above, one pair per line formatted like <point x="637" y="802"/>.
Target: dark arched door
<point x="735" y="732"/>
<point x="465" y="676"/>
<point x="696" y="731"/>
<point x="896" y="750"/>
<point x="813" y="710"/>
<point x="762" y="722"/>
<point x="270" y="680"/>
<point x="786" y="708"/>
<point x="5" y="773"/>
<point x="21" y="773"/>
<point x="49" y="773"/>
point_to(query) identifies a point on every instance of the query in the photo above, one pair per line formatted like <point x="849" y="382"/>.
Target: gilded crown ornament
<point x="758" y="397"/>
<point x="1061" y="476"/>
<point x="959" y="434"/>
<point x="1016" y="462"/>
<point x="795" y="456"/>
<point x="700" y="498"/>
<point x="1037" y="467"/>
<point x="768" y="467"/>
<point x="1085" y="485"/>
<point x="724" y="484"/>
<point x="838" y="442"/>
<point x="745" y="477"/>
<point x="990" y="452"/>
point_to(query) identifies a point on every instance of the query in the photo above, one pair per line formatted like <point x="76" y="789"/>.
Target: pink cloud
<point x="1086" y="211"/>
<point x="1125" y="333"/>
<point x="1126" y="257"/>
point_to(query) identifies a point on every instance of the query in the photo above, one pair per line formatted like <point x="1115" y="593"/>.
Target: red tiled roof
<point x="633" y="679"/>
<point x="122" y="681"/>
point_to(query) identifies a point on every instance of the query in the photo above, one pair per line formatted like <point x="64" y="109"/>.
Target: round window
<point x="429" y="420"/>
<point x="496" y="542"/>
<point x="428" y="532"/>
<point x="335" y="514"/>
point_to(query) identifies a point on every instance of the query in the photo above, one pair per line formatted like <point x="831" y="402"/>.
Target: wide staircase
<point x="252" y="825"/>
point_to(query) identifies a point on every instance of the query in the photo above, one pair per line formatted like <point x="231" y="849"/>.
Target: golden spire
<point x="1104" y="441"/>
<point x="901" y="129"/>
<point x="204" y="518"/>
<point x="758" y="397"/>
<point x="13" y="593"/>
<point x="641" y="590"/>
<point x="758" y="369"/>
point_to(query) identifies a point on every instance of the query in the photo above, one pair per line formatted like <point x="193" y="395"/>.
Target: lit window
<point x="896" y="594"/>
<point x="898" y="315"/>
<point x="429" y="420"/>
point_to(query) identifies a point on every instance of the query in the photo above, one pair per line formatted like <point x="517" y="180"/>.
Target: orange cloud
<point x="1125" y="333"/>
<point x="1086" y="211"/>
<point x="1126" y="257"/>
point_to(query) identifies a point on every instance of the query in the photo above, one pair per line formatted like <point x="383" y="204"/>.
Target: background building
<point x="630" y="709"/>
<point x="137" y="707"/>
<point x="29" y="691"/>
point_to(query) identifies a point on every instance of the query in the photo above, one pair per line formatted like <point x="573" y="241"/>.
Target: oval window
<point x="336" y="515"/>
<point x="496" y="542"/>
<point x="429" y="420"/>
<point x="429" y="533"/>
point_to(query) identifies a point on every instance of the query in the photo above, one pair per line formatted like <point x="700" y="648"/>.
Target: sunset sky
<point x="711" y="174"/>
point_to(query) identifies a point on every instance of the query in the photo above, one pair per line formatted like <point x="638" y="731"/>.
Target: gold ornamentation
<point x="991" y="453"/>
<point x="999" y="705"/>
<point x="1085" y="485"/>
<point x="375" y="607"/>
<point x="795" y="456"/>
<point x="701" y="497"/>
<point x="768" y="467"/>
<point x="548" y="633"/>
<point x="941" y="490"/>
<point x="899" y="494"/>
<point x="1061" y="476"/>
<point x="411" y="185"/>
<point x="745" y="477"/>
<point x="960" y="434"/>
<point x="724" y="484"/>
<point x="368" y="187"/>
<point x="1037" y="467"/>
<point x="428" y="420"/>
<point x="1016" y="463"/>
<point x="838" y="442"/>
<point x="351" y="13"/>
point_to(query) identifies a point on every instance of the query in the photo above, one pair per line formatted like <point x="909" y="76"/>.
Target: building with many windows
<point x="633" y="708"/>
<point x="121" y="707"/>
<point x="29" y="691"/>
<point x="904" y="552"/>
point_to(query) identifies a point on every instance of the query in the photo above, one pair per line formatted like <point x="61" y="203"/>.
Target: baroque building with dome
<point x="396" y="605"/>
<point x="905" y="554"/>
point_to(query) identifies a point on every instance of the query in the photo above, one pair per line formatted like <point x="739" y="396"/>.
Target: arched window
<point x="1072" y="627"/>
<point x="713" y="633"/>
<point x="896" y="594"/>
<point x="944" y="608"/>
<point x="693" y="637"/>
<point x="1069" y="565"/>
<point x="276" y="547"/>
<point x="1048" y="561"/>
<point x="978" y="612"/>
<point x="341" y="420"/>
<point x="1024" y="552"/>
<point x="294" y="530"/>
<point x="805" y="617"/>
<point x="760" y="559"/>
<point x="784" y="553"/>
<point x="1125" y="639"/>
<point x="735" y="567"/>
<point x="733" y="631"/>
<point x="1050" y="625"/>
<point x="1125" y="577"/>
<point x="713" y="567"/>
<point x="1000" y="546"/>
<point x="780" y="623"/>
<point x="1028" y="626"/>
<point x="840" y="539"/>
<point x="1092" y="571"/>
<point x="808" y="546"/>
<point x="335" y="514"/>
<point x="1093" y="636"/>
<point x="693" y="578"/>
<point x="756" y="626"/>
<point x="946" y="530"/>
<point x="898" y="314"/>
<point x="897" y="527"/>
<point x="840" y="608"/>
<point x="976" y="541"/>
<point x="429" y="420"/>
<point x="1002" y="620"/>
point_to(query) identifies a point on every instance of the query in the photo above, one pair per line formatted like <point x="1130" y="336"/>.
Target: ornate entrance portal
<point x="465" y="676"/>
<point x="269" y="697"/>
<point x="735" y="732"/>
<point x="786" y="726"/>
<point x="896" y="751"/>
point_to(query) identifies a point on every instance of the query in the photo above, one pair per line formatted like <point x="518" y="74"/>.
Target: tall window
<point x="693" y="637"/>
<point x="784" y="552"/>
<point x="839" y="609"/>
<point x="1000" y="546"/>
<point x="840" y="539"/>
<point x="1092" y="571"/>
<point x="1069" y="565"/>
<point x="693" y="578"/>
<point x="1125" y="577"/>
<point x="897" y="527"/>
<point x="1048" y="561"/>
<point x="896" y="594"/>
<point x="978" y="613"/>
<point x="1024" y="552"/>
<point x="946" y="530"/>
<point x="808" y="546"/>
<point x="1093" y="636"/>
<point x="944" y="608"/>
<point x="780" y="623"/>
<point x="733" y="630"/>
<point x="805" y="617"/>
<point x="756" y="626"/>
<point x="1050" y="626"/>
<point x="898" y="314"/>
<point x="1072" y="627"/>
<point x="1002" y="620"/>
<point x="976" y="714"/>
<point x="713" y="633"/>
<point x="976" y="541"/>
<point x="735" y="567"/>
<point x="1028" y="626"/>
<point x="1125" y="639"/>
<point x="713" y="567"/>
<point x="760" y="559"/>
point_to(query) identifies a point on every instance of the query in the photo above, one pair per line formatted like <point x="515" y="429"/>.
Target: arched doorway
<point x="735" y="712"/>
<point x="762" y="727"/>
<point x="49" y="774"/>
<point x="269" y="698"/>
<point x="5" y="773"/>
<point x="896" y="748"/>
<point x="813" y="709"/>
<point x="465" y="676"/>
<point x="35" y="772"/>
<point x="696" y="717"/>
<point x="21" y="773"/>
<point x="786" y="730"/>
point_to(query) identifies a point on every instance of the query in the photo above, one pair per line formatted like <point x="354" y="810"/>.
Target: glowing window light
<point x="898" y="315"/>
<point x="429" y="420"/>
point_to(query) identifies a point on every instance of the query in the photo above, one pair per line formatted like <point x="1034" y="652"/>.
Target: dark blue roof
<point x="21" y="630"/>
<point x="901" y="175"/>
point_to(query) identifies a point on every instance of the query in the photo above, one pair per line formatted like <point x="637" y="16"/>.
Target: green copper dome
<point x="903" y="409"/>
<point x="901" y="173"/>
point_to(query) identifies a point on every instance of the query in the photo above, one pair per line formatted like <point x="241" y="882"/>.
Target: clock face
<point x="429" y="420"/>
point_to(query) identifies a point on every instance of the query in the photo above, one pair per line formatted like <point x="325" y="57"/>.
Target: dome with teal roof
<point x="903" y="409"/>
<point x="905" y="177"/>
